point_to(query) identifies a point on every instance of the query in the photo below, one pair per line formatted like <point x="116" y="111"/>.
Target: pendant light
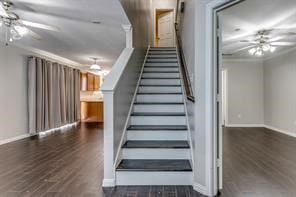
<point x="95" y="66"/>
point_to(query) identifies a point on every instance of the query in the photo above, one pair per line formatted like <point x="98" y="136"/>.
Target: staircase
<point x="156" y="150"/>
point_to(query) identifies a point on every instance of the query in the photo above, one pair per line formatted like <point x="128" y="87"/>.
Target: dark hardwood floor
<point x="66" y="164"/>
<point x="258" y="163"/>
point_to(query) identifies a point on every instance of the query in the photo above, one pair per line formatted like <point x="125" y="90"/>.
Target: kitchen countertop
<point x="91" y="96"/>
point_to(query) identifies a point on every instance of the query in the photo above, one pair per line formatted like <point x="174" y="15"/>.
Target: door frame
<point x="225" y="96"/>
<point x="155" y="23"/>
<point x="212" y="85"/>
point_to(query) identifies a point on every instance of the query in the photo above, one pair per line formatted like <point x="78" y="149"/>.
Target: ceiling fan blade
<point x="40" y="26"/>
<point x="34" y="35"/>
<point x="283" y="43"/>
<point x="3" y="11"/>
<point x="249" y="41"/>
<point x="244" y="48"/>
<point x="276" y="38"/>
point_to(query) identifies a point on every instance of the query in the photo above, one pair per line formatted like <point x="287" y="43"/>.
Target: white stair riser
<point x="159" y="108"/>
<point x="154" y="153"/>
<point x="161" y="69"/>
<point x="160" y="64"/>
<point x="160" y="98"/>
<point x="162" y="49"/>
<point x="162" y="56"/>
<point x="160" y="82"/>
<point x="157" y="135"/>
<point x="162" y="53"/>
<point x="161" y="75"/>
<point x="168" y="60"/>
<point x="155" y="89"/>
<point x="156" y="120"/>
<point x="154" y="178"/>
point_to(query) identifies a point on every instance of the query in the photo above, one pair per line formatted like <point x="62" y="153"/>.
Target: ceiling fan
<point x="14" y="27"/>
<point x="266" y="41"/>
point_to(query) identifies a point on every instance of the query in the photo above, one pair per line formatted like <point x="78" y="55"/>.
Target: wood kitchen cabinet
<point x="89" y="82"/>
<point x="92" y="112"/>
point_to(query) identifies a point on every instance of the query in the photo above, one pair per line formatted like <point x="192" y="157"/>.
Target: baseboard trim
<point x="108" y="183"/>
<point x="263" y="126"/>
<point x="280" y="131"/>
<point x="20" y="137"/>
<point x="245" y="125"/>
<point x="200" y="189"/>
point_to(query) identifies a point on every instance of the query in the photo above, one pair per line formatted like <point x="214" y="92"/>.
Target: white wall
<point x="245" y="92"/>
<point x="280" y="93"/>
<point x="139" y="14"/>
<point x="187" y="36"/>
<point x="13" y="88"/>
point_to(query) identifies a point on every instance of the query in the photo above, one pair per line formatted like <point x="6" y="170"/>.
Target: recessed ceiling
<point x="244" y="20"/>
<point x="87" y="29"/>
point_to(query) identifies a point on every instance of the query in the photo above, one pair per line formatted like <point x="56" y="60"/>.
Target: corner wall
<point x="13" y="88"/>
<point x="280" y="93"/>
<point x="245" y="92"/>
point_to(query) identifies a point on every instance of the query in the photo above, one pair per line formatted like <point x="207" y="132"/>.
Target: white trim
<point x="280" y="130"/>
<point x="211" y="110"/>
<point x="244" y="125"/>
<point x="129" y="35"/>
<point x="123" y="137"/>
<point x="61" y="128"/>
<point x="20" y="137"/>
<point x="289" y="133"/>
<point x="200" y="188"/>
<point x="108" y="183"/>
<point x="50" y="56"/>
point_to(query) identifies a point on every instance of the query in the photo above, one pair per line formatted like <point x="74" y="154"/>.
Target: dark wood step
<point x="173" y="144"/>
<point x="147" y="66"/>
<point x="158" y="127"/>
<point x="168" y="165"/>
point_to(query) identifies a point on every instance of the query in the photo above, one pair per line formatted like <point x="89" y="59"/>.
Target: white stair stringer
<point x="156" y="150"/>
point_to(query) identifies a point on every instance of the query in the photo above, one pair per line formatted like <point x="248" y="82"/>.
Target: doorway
<point x="250" y="83"/>
<point x="164" y="28"/>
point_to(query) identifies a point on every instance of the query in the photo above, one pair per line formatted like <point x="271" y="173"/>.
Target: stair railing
<point x="183" y="65"/>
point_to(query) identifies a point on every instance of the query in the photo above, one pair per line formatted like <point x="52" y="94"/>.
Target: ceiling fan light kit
<point x="15" y="28"/>
<point x="260" y="49"/>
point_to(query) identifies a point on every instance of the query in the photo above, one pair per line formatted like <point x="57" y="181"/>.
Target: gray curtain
<point x="53" y="95"/>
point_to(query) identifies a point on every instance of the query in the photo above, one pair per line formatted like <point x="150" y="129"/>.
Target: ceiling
<point x="245" y="19"/>
<point x="78" y="38"/>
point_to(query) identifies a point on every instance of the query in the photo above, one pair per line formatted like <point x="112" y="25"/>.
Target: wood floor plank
<point x="258" y="162"/>
<point x="66" y="164"/>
